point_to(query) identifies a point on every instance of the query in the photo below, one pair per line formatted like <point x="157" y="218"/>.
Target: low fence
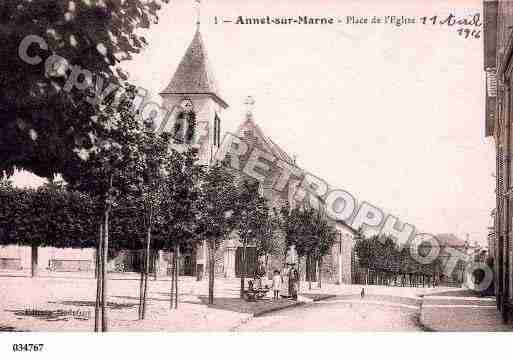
<point x="367" y="276"/>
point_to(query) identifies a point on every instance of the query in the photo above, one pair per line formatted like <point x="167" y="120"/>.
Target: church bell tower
<point x="193" y="87"/>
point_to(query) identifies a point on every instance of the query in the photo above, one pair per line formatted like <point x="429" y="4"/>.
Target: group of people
<point x="289" y="276"/>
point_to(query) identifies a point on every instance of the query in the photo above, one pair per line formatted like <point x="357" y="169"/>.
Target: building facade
<point x="498" y="66"/>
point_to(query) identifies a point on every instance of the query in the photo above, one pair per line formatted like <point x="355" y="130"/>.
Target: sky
<point x="392" y="114"/>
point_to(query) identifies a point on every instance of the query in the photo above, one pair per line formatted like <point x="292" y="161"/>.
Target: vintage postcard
<point x="265" y="166"/>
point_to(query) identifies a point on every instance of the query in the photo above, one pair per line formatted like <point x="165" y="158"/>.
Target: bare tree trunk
<point x="145" y="294"/>
<point x="96" y="262"/>
<point x="98" y="271"/>
<point x="177" y="272"/>
<point x="146" y="268"/>
<point x="309" y="271"/>
<point x="34" y="260"/>
<point x="141" y="284"/>
<point x="298" y="275"/>
<point x="243" y="275"/>
<point x="319" y="282"/>
<point x="155" y="264"/>
<point x="105" y="250"/>
<point x="171" y="295"/>
<point x="267" y="270"/>
<point x="211" y="271"/>
<point x="204" y="252"/>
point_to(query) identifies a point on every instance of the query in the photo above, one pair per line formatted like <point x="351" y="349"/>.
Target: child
<point x="277" y="281"/>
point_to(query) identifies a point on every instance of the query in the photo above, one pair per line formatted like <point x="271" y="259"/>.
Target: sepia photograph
<point x="194" y="167"/>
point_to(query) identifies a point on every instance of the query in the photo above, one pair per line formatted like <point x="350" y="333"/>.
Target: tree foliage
<point x="44" y="123"/>
<point x="181" y="204"/>
<point x="251" y="211"/>
<point x="53" y="216"/>
<point x="47" y="216"/>
<point x="290" y="224"/>
<point x="269" y="236"/>
<point x="218" y="195"/>
<point x="381" y="253"/>
<point x="115" y="163"/>
<point x="309" y="230"/>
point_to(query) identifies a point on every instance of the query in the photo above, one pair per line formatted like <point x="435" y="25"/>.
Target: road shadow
<point x="2" y="275"/>
<point x="7" y="328"/>
<point x="137" y="299"/>
<point x="43" y="276"/>
<point x="111" y="276"/>
<point x="317" y="296"/>
<point x="459" y="293"/>
<point x="58" y="315"/>
<point x="242" y="306"/>
<point x="90" y="303"/>
<point x="167" y="294"/>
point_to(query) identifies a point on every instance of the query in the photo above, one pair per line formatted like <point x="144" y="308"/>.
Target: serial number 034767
<point x="27" y="347"/>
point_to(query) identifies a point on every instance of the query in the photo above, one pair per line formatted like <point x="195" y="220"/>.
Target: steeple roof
<point x="193" y="75"/>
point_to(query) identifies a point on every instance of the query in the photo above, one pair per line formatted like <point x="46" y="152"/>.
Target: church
<point x="193" y="87"/>
<point x="193" y="84"/>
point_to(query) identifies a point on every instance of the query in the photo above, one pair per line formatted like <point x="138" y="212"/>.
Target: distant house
<point x="448" y="242"/>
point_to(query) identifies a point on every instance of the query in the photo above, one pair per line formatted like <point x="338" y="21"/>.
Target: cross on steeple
<point x="249" y="102"/>
<point x="198" y="13"/>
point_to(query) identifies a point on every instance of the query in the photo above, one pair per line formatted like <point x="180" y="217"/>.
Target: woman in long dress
<point x="293" y="282"/>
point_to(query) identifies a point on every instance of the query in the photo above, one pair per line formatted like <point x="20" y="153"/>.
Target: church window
<point x="184" y="127"/>
<point x="217" y="130"/>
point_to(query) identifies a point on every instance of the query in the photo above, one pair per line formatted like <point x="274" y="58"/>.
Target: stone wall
<point x="59" y="259"/>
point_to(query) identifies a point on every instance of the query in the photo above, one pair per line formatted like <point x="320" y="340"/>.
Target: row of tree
<point x="124" y="165"/>
<point x="384" y="261"/>
<point x="191" y="203"/>
<point x="47" y="216"/>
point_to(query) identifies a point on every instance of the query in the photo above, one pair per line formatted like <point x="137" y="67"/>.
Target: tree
<point x="327" y="237"/>
<point x="180" y="207"/>
<point x="269" y="239"/>
<point x="49" y="216"/>
<point x="297" y="226"/>
<point x="363" y="251"/>
<point x="307" y="244"/>
<point x="250" y="214"/>
<point x="216" y="220"/>
<point x="382" y="255"/>
<point x="44" y="119"/>
<point x="290" y="224"/>
<point x="112" y="166"/>
<point x="155" y="150"/>
<point x="314" y="237"/>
